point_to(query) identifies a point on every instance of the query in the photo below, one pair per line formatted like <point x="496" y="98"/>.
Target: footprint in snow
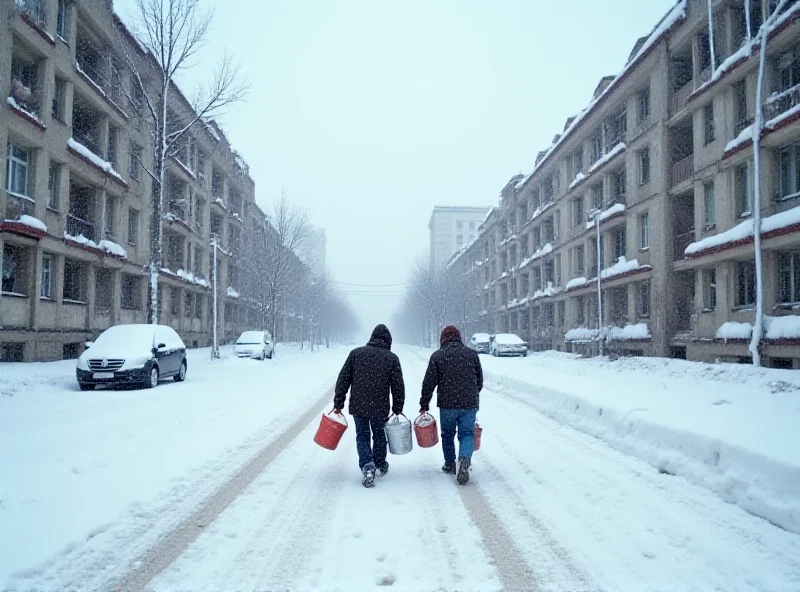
<point x="381" y="557"/>
<point x="385" y="579"/>
<point x="648" y="554"/>
<point x="358" y="534"/>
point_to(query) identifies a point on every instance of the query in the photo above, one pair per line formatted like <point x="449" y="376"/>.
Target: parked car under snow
<point x="138" y="355"/>
<point x="480" y="343"/>
<point x="508" y="344"/>
<point x="254" y="344"/>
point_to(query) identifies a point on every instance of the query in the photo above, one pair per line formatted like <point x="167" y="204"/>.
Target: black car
<point x="137" y="355"/>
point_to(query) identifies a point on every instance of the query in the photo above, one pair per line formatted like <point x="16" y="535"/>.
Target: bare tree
<point x="286" y="238"/>
<point x="170" y="34"/>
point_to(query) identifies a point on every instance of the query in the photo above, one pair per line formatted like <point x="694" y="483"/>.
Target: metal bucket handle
<point x="340" y="414"/>
<point x="397" y="418"/>
<point x="423" y="414"/>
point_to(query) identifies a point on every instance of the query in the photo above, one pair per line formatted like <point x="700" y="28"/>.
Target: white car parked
<point x="254" y="344"/>
<point x="508" y="344"/>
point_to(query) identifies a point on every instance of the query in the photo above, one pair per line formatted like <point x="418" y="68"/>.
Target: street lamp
<point x="595" y="215"/>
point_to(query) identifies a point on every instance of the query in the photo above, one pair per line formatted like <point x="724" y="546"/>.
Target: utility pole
<point x="596" y="215"/>
<point x="215" y="347"/>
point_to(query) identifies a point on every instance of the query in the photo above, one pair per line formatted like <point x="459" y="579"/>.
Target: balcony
<point x="680" y="97"/>
<point x="79" y="227"/>
<point x="681" y="241"/>
<point x="742" y="124"/>
<point x="682" y="171"/>
<point x="780" y="103"/>
<point x="33" y="10"/>
<point x="97" y="69"/>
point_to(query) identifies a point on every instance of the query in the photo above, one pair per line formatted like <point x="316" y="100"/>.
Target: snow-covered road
<point x="548" y="508"/>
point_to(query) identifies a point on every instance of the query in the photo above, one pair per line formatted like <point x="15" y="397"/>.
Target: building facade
<point x="450" y="229"/>
<point x="651" y="188"/>
<point x="317" y="247"/>
<point x="76" y="215"/>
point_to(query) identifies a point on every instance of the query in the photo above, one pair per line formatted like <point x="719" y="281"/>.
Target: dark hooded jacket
<point x="455" y="370"/>
<point x="370" y="373"/>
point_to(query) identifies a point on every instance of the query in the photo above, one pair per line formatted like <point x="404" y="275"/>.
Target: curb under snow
<point x="758" y="484"/>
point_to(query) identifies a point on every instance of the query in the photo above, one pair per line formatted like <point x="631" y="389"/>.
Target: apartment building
<point x="651" y="188"/>
<point x="450" y="229"/>
<point x="76" y="215"/>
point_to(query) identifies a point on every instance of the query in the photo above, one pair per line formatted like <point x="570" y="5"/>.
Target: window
<point x="53" y="183"/>
<point x="789" y="71"/>
<point x="12" y="352"/>
<point x="198" y="261"/>
<point x="597" y="147"/>
<point x="745" y="283"/>
<point x="644" y="231"/>
<point x="577" y="162"/>
<point x="580" y="311"/>
<point x="111" y="155"/>
<point x="579" y="261"/>
<point x="136" y="155"/>
<point x="578" y="217"/>
<point x="24" y="84"/>
<point x="59" y="99"/>
<point x="46" y="289"/>
<point x="459" y="225"/>
<point x="620" y="181"/>
<point x="644" y="298"/>
<point x="14" y="265"/>
<point x="643" y="103"/>
<point x="790" y="171"/>
<point x="459" y="240"/>
<point x="789" y="277"/>
<point x="174" y="301"/>
<point x="709" y="205"/>
<point x="132" y="292"/>
<point x="620" y="238"/>
<point x="710" y="290"/>
<point x="744" y="190"/>
<point x="74" y="281"/>
<point x="198" y="306"/>
<point x="558" y="269"/>
<point x="644" y="166"/>
<point x="708" y="123"/>
<point x="17" y="170"/>
<point x="597" y="195"/>
<point x="188" y="304"/>
<point x="111" y="215"/>
<point x="562" y="313"/>
<point x="103" y="289"/>
<point x="201" y="164"/>
<point x="740" y="101"/>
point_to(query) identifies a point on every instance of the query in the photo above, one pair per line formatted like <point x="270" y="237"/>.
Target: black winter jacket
<point x="369" y="373"/>
<point x="456" y="371"/>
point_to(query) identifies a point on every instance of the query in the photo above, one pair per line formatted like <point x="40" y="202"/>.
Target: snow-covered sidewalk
<point x="75" y="464"/>
<point x="728" y="427"/>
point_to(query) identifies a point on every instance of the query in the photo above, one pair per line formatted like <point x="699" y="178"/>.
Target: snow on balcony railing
<point x="618" y="149"/>
<point x="609" y="212"/>
<point x="734" y="331"/>
<point x="106" y="246"/>
<point x="680" y="97"/>
<point x="33" y="222"/>
<point x="636" y="332"/>
<point x="778" y="328"/>
<point x="682" y="170"/>
<point x="97" y="161"/>
<point x="538" y="254"/>
<point x="742" y="233"/>
<point x="232" y="292"/>
<point x="781" y="102"/>
<point x="745" y="136"/>
<point x="579" y="178"/>
<point x="550" y="290"/>
<point x="24" y="112"/>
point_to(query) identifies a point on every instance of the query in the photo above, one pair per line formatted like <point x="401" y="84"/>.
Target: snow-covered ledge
<point x="96" y="161"/>
<point x="24" y="113"/>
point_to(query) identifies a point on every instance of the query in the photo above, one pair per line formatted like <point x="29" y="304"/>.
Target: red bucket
<point x="330" y="431"/>
<point x="426" y="431"/>
<point x="478" y="432"/>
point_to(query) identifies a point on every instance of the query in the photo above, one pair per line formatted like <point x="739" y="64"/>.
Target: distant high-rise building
<point x="451" y="228"/>
<point x="317" y="242"/>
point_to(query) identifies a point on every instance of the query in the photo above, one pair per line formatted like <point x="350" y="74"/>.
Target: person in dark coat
<point x="455" y="371"/>
<point x="370" y="374"/>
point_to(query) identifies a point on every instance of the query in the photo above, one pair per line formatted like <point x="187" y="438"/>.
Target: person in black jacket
<point x="370" y="373"/>
<point x="455" y="370"/>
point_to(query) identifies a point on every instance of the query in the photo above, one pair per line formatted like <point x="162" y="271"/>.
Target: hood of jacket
<point x="381" y="337"/>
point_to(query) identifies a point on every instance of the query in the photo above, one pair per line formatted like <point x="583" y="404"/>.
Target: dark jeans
<point x="377" y="451"/>
<point x="464" y="421"/>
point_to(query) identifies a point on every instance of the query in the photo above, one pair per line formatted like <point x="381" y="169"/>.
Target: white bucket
<point x="398" y="435"/>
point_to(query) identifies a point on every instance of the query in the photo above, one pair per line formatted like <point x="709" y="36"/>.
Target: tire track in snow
<point x="170" y="547"/>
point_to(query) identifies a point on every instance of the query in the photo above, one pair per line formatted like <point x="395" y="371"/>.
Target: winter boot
<point x="450" y="469"/>
<point x="383" y="469"/>
<point x="463" y="470"/>
<point x="369" y="475"/>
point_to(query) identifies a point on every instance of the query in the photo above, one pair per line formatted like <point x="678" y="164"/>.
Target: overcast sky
<point x="370" y="112"/>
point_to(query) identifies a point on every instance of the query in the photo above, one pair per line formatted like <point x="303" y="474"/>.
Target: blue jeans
<point x="464" y="421"/>
<point x="376" y="452"/>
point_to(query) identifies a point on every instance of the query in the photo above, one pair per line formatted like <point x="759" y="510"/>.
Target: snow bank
<point x="93" y="158"/>
<point x="744" y="231"/>
<point x="637" y="332"/>
<point x="720" y="426"/>
<point x="733" y="330"/>
<point x="581" y="334"/>
<point x="32" y="222"/>
<point x="787" y="327"/>
<point x="618" y="149"/>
